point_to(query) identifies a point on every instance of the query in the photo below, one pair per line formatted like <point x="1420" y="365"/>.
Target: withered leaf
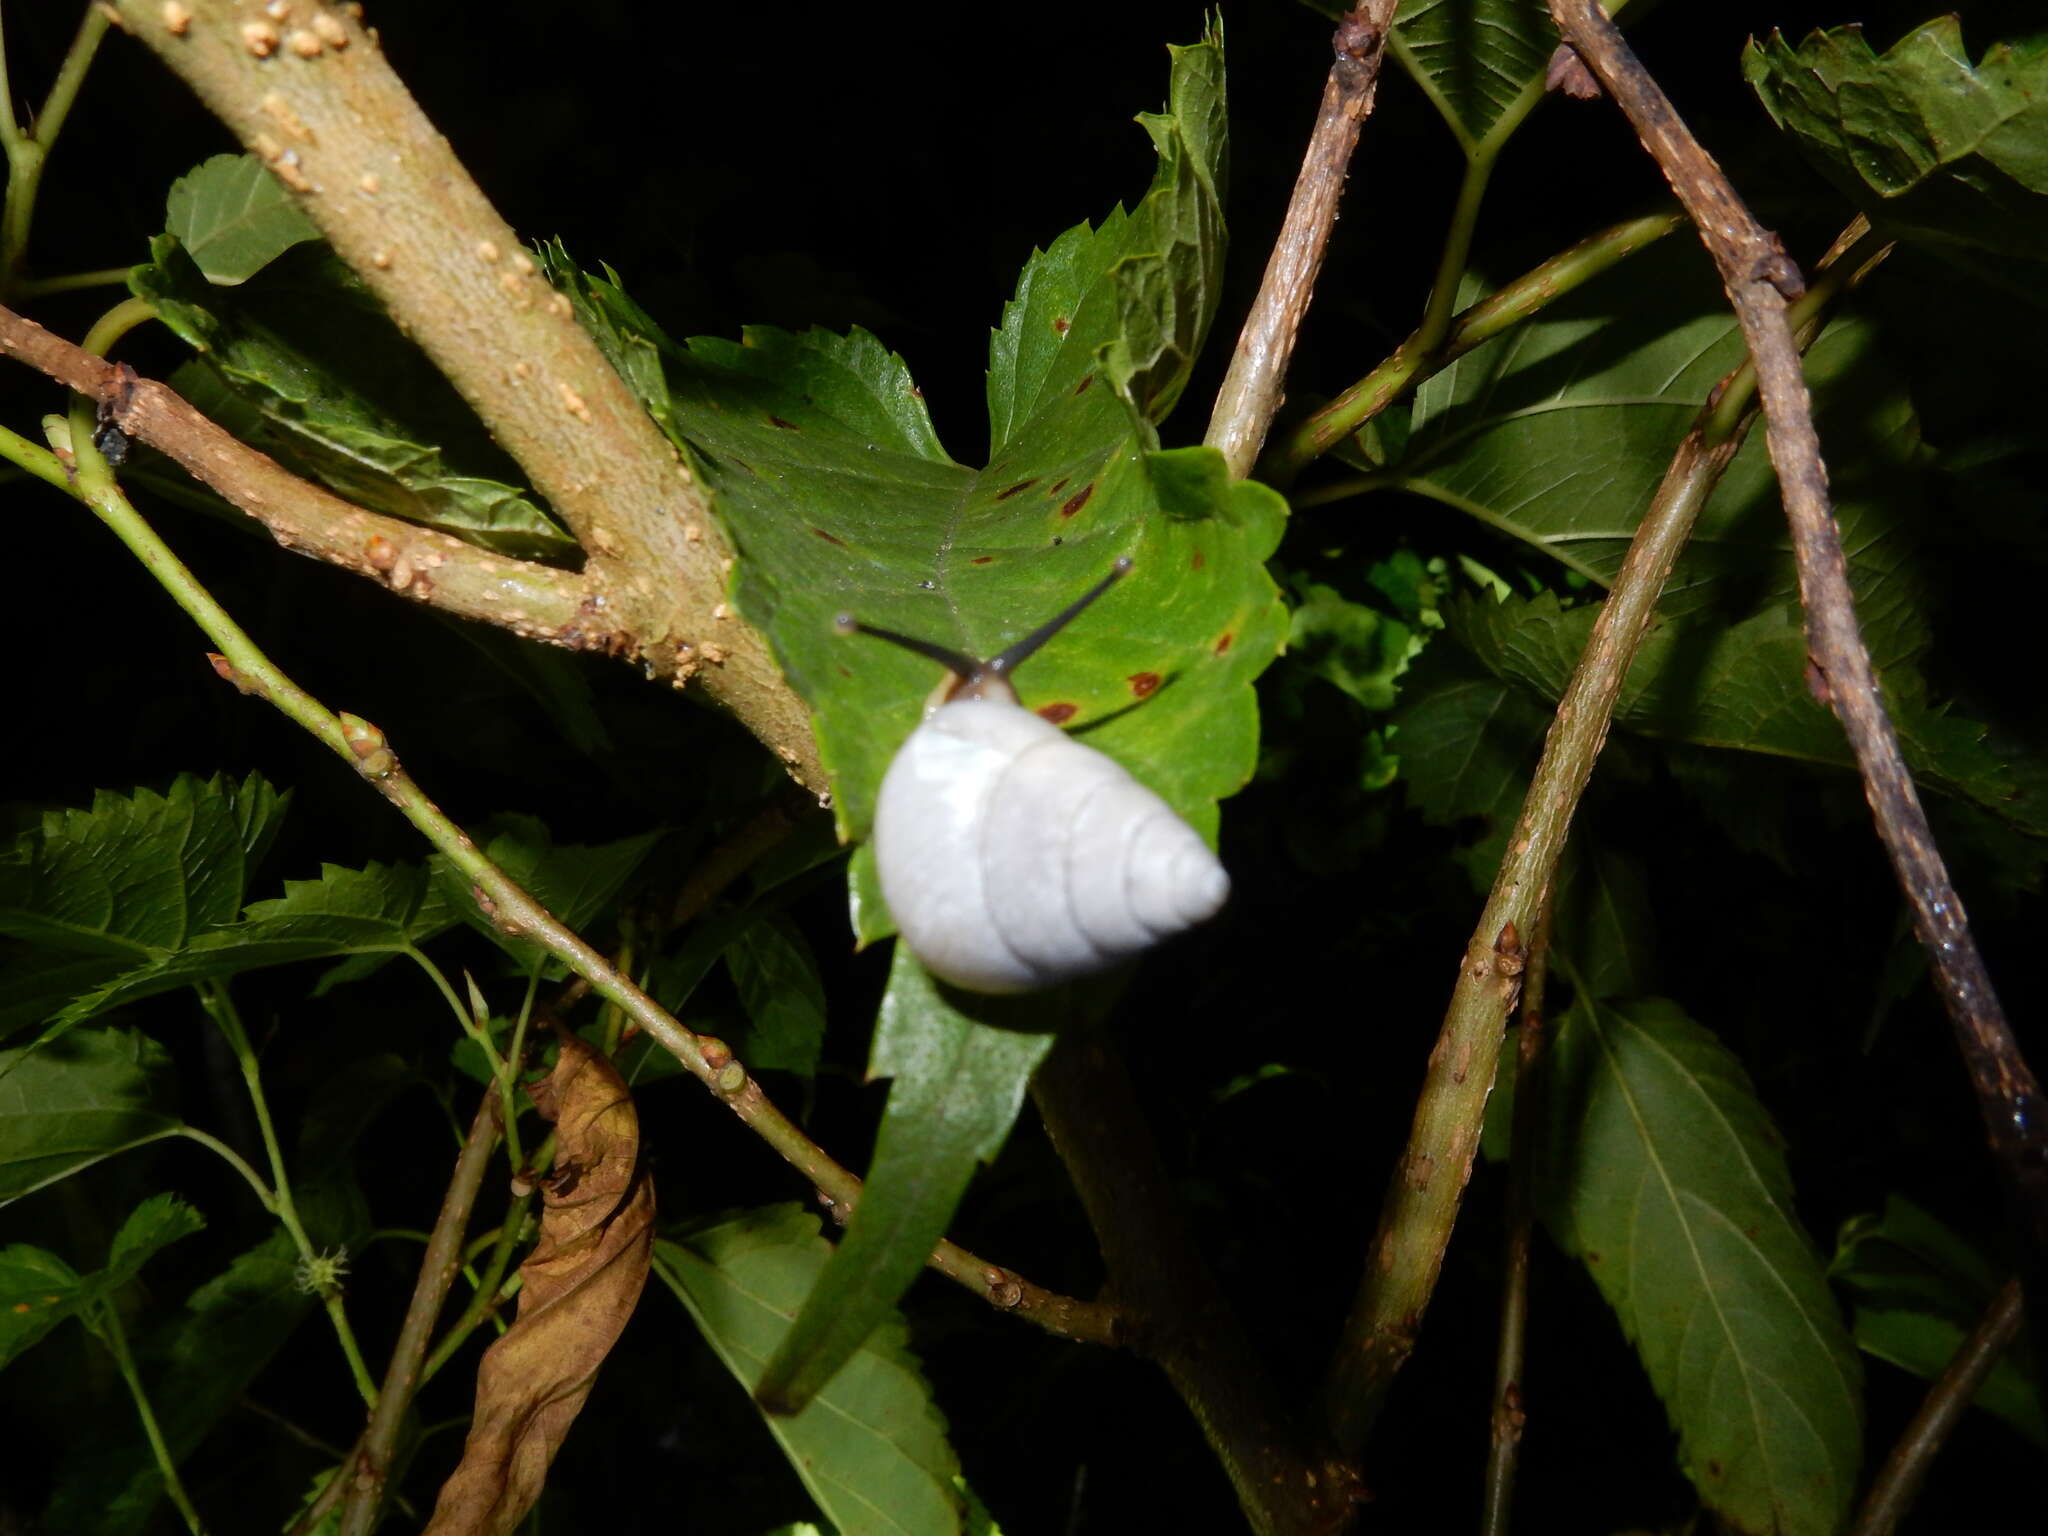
<point x="580" y="1284"/>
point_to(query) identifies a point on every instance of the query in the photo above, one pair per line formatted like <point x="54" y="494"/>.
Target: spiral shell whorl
<point x="1014" y="857"/>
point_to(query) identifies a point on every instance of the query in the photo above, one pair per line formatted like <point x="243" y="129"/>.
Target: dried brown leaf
<point x="579" y="1286"/>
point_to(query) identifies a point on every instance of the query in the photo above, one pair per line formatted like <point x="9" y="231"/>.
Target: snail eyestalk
<point x="967" y="668"/>
<point x="1016" y="654"/>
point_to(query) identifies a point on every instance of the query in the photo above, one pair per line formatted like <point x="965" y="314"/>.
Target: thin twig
<point x="337" y="127"/>
<point x="367" y="1470"/>
<point x="1180" y="1317"/>
<point x="1505" y="1445"/>
<point x="1760" y="280"/>
<point x="502" y="900"/>
<point x="1251" y="390"/>
<point x="1898" y="1483"/>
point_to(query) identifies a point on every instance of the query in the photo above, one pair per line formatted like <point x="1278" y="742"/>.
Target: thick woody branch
<point x="1252" y="390"/>
<point x="314" y="96"/>
<point x="1760" y="279"/>
<point x="536" y="601"/>
<point x="1286" y="1481"/>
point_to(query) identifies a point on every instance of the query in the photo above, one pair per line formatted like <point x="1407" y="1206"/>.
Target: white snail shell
<point x="1014" y="857"/>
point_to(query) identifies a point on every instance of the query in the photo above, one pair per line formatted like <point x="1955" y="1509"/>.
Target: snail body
<point x="1014" y="857"/>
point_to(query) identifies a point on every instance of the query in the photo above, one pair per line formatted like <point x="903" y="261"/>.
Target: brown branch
<point x="1251" y="391"/>
<point x="1760" y="278"/>
<point x="314" y="96"/>
<point x="1429" y="1181"/>
<point x="368" y="1468"/>
<point x="1178" y="1315"/>
<point x="1898" y="1483"/>
<point x="428" y="566"/>
<point x="1504" y="1447"/>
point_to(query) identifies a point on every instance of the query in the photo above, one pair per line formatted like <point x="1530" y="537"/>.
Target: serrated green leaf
<point x="38" y="1290"/>
<point x="233" y="218"/>
<point x="1480" y="62"/>
<point x="841" y="499"/>
<point x="1919" y="1290"/>
<point x="1468" y="742"/>
<point x="872" y="1448"/>
<point x="1664" y="1174"/>
<point x="201" y="1359"/>
<point x="1350" y="645"/>
<point x="70" y="1103"/>
<point x="783" y="994"/>
<point x="958" y="1084"/>
<point x="90" y="893"/>
<point x="577" y="882"/>
<point x="303" y="364"/>
<point x="1947" y="153"/>
<point x="1740" y="686"/>
<point x="384" y="909"/>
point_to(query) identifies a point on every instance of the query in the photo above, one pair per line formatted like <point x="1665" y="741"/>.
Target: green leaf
<point x="1666" y="1177"/>
<point x="1741" y="686"/>
<point x="578" y="883"/>
<point x="199" y="1362"/>
<point x="1557" y="433"/>
<point x="1606" y="921"/>
<point x="384" y="909"/>
<point x="1919" y="1290"/>
<point x="89" y="893"/>
<point x="872" y="1448"/>
<point x="840" y="498"/>
<point x="784" y="997"/>
<point x="1952" y="155"/>
<point x="1350" y="645"/>
<point x="65" y="1106"/>
<point x="1480" y="62"/>
<point x="1468" y="743"/>
<point x="38" y="1290"/>
<point x="303" y="364"/>
<point x="959" y="1084"/>
<point x="233" y="218"/>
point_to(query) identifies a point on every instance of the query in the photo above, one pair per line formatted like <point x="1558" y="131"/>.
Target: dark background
<point x="893" y="167"/>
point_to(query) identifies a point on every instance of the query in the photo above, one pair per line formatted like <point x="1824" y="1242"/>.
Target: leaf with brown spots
<point x="578" y="1287"/>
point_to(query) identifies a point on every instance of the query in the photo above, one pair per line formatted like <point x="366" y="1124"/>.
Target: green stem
<point x="477" y="1029"/>
<point x="508" y="1084"/>
<point x="234" y="1160"/>
<point x="1457" y="249"/>
<point x="214" y="994"/>
<point x="106" y="1326"/>
<point x="68" y="282"/>
<point x="1412" y="362"/>
<point x="28" y="146"/>
<point x="116" y="323"/>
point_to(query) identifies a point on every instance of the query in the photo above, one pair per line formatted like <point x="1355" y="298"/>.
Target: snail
<point x="1014" y="857"/>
